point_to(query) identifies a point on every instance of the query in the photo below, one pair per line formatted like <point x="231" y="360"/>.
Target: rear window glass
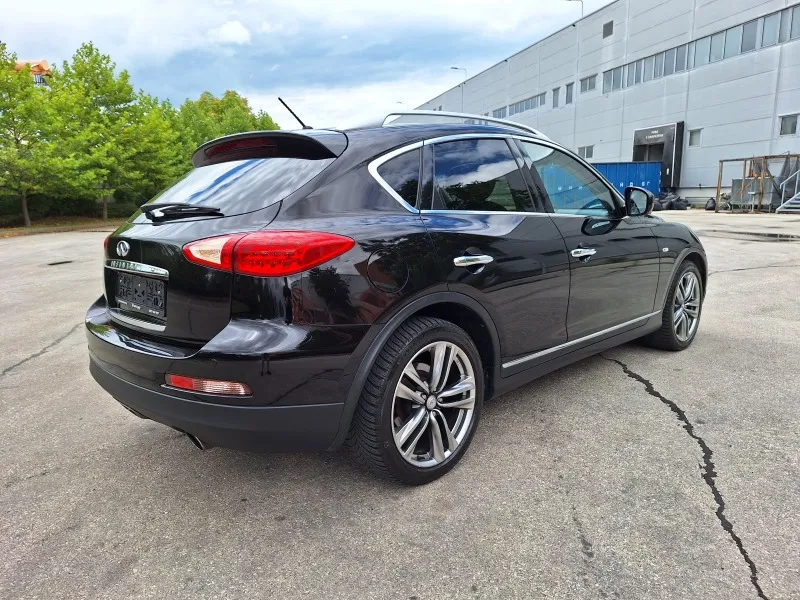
<point x="243" y="186"/>
<point x="402" y="174"/>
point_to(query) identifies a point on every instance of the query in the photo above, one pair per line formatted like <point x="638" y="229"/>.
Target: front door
<point x="614" y="259"/>
<point x="495" y="243"/>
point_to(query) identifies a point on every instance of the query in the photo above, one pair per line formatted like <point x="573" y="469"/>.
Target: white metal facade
<point x="737" y="103"/>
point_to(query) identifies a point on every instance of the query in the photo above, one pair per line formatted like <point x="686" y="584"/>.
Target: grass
<point x="59" y="224"/>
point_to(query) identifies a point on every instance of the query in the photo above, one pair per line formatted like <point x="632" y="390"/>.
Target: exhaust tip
<point x="198" y="442"/>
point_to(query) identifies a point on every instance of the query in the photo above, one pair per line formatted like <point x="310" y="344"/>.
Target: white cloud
<point x="347" y="107"/>
<point x="232" y="32"/>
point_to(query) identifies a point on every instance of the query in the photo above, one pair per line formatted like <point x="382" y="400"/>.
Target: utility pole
<point x="464" y="83"/>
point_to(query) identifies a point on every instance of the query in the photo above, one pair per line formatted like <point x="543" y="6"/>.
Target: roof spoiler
<point x="314" y="144"/>
<point x="408" y="115"/>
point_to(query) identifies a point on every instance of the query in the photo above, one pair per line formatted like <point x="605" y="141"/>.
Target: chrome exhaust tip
<point x="198" y="442"/>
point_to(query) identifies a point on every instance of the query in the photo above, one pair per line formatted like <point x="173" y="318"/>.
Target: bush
<point x="117" y="210"/>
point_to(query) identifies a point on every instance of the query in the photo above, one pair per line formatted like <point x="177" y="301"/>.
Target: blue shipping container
<point x="642" y="174"/>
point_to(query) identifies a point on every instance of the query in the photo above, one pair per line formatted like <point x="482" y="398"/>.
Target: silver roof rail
<point x="456" y="115"/>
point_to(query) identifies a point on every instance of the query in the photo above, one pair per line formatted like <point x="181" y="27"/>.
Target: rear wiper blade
<point x="173" y="210"/>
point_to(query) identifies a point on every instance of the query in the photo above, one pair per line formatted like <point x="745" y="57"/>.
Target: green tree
<point x="28" y="162"/>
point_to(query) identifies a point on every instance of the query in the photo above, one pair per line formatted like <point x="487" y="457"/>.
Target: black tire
<point x="371" y="437"/>
<point x="666" y="338"/>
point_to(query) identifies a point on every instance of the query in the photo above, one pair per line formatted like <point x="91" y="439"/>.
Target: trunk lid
<point x="150" y="287"/>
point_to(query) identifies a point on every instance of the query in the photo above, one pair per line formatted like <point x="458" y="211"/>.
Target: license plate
<point x="142" y="295"/>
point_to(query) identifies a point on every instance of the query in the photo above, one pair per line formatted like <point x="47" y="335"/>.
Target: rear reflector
<point x="268" y="253"/>
<point x="208" y="386"/>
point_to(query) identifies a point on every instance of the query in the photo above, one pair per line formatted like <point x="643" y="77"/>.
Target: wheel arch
<point x="457" y="308"/>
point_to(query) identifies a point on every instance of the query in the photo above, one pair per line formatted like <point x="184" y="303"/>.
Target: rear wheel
<point x="421" y="403"/>
<point x="681" y="316"/>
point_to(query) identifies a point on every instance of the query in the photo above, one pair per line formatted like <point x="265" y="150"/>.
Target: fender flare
<point x="361" y="374"/>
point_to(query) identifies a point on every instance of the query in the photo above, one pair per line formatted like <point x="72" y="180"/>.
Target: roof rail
<point x="456" y="115"/>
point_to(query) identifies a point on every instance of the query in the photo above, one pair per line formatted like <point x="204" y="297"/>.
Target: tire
<point x="672" y="336"/>
<point x="390" y="416"/>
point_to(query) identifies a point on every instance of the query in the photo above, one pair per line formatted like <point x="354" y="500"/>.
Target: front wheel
<point x="681" y="316"/>
<point x="420" y="404"/>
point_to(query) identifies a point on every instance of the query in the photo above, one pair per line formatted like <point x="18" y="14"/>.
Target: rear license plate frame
<point x="142" y="295"/>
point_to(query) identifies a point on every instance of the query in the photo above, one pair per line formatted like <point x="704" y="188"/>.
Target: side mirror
<point x="638" y="201"/>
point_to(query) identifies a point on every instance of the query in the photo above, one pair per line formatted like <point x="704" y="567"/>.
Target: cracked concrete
<point x="708" y="469"/>
<point x="576" y="486"/>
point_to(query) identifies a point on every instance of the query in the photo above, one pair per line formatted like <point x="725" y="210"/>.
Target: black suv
<point x="301" y="290"/>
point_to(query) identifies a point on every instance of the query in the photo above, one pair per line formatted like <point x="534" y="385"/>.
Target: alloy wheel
<point x="686" y="306"/>
<point x="434" y="404"/>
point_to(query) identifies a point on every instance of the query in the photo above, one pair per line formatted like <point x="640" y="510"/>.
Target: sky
<point x="336" y="63"/>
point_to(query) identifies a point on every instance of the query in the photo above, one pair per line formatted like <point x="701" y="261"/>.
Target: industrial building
<point x="683" y="82"/>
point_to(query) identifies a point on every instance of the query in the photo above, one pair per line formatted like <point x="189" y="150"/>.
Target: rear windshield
<point x="242" y="186"/>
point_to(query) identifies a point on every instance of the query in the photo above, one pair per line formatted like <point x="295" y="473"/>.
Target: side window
<point x="572" y="188"/>
<point x="402" y="175"/>
<point x="479" y="174"/>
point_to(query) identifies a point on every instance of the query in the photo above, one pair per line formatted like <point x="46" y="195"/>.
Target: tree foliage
<point x="92" y="136"/>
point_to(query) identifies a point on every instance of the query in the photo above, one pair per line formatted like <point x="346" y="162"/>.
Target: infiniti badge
<point x="123" y="248"/>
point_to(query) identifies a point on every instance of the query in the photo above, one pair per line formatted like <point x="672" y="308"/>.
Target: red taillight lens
<point x="208" y="386"/>
<point x="242" y="144"/>
<point x="105" y="242"/>
<point x="268" y="253"/>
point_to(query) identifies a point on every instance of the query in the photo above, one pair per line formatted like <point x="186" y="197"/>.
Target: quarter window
<point x="402" y="175"/>
<point x="479" y="175"/>
<point x="572" y="188"/>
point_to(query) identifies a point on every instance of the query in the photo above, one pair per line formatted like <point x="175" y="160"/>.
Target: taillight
<point x="207" y="386"/>
<point x="105" y="243"/>
<point x="268" y="253"/>
<point x="215" y="252"/>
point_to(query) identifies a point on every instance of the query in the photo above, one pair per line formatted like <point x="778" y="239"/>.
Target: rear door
<point x="614" y="259"/>
<point x="150" y="287"/>
<point x="495" y="242"/>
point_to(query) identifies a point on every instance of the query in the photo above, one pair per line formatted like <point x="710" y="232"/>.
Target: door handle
<point x="583" y="252"/>
<point x="469" y="260"/>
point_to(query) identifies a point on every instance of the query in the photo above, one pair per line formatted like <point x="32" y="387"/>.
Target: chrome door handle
<point x="469" y="261"/>
<point x="583" y="252"/>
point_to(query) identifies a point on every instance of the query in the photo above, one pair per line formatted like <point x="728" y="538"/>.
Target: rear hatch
<point x="237" y="186"/>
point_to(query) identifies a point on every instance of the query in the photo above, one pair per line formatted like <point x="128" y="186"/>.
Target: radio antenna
<point x="294" y="115"/>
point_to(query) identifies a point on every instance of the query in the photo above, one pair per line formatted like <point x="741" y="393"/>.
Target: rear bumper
<point x="254" y="428"/>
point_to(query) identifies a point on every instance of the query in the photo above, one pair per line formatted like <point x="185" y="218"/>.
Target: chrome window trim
<point x="116" y="315"/>
<point x="137" y="268"/>
<point x="373" y="170"/>
<point x="536" y="355"/>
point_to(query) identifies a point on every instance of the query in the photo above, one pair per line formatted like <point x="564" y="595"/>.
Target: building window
<point x="786" y="24"/>
<point x="608" y="29"/>
<point x="749" y="32"/>
<point x="695" y="136"/>
<point x="733" y="41"/>
<point x="500" y="113"/>
<point x="608" y="77"/>
<point x="669" y="62"/>
<point x="659" y="66"/>
<point x="440" y="107"/>
<point x="680" y="59"/>
<point x="701" y="51"/>
<point x="795" y="23"/>
<point x="789" y="125"/>
<point x="588" y="83"/>
<point x="586" y="152"/>
<point x="769" y="33"/>
<point x="717" y="47"/>
<point x="542" y="98"/>
<point x="629" y="75"/>
<point x="638" y="70"/>
<point x="649" y="63"/>
<point x="556" y="92"/>
<point x="617" y="83"/>
<point x="570" y="88"/>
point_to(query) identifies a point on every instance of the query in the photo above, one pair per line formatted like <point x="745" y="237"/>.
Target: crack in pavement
<point x="708" y="469"/>
<point x="778" y="266"/>
<point x="40" y="352"/>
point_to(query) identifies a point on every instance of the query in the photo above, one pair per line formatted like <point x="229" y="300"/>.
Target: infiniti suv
<point x="373" y="287"/>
